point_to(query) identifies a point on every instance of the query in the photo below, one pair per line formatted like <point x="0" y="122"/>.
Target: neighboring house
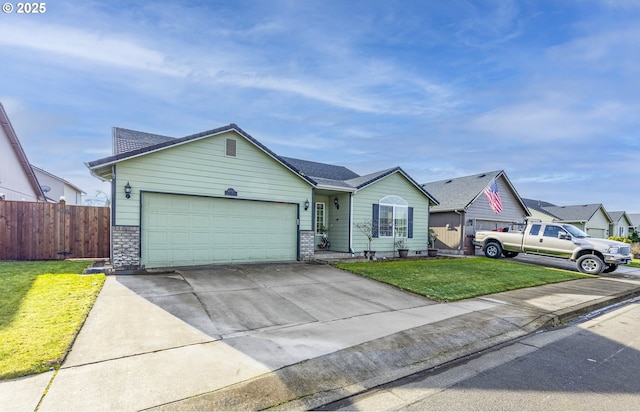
<point x="634" y="227"/>
<point x="538" y="211"/>
<point x="221" y="196"/>
<point x="17" y="179"/>
<point x="592" y="219"/>
<point x="620" y="223"/>
<point x="464" y="208"/>
<point x="55" y="187"/>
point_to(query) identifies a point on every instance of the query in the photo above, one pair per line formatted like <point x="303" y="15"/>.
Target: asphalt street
<point x="591" y="365"/>
<point x="623" y="270"/>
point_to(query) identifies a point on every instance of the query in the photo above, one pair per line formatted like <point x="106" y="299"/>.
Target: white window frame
<point x="396" y="203"/>
<point x="324" y="218"/>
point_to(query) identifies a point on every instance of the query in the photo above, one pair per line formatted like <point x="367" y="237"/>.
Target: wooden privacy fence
<point x="46" y="231"/>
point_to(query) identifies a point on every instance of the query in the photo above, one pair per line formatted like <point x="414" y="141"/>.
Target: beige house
<point x="464" y="208"/>
<point x="56" y="188"/>
<point x="17" y="179"/>
<point x="537" y="210"/>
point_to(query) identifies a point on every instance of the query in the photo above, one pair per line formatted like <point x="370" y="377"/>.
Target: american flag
<point x="494" y="197"/>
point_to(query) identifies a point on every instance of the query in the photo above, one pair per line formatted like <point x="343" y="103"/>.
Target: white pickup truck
<point x="591" y="255"/>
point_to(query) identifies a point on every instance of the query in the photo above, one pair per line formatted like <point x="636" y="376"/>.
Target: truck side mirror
<point x="564" y="236"/>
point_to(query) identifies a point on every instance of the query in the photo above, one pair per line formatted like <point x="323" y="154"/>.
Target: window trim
<point x="395" y="202"/>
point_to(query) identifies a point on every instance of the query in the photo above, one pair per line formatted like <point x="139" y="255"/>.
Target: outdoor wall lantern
<point x="127" y="190"/>
<point x="335" y="202"/>
<point x="306" y="204"/>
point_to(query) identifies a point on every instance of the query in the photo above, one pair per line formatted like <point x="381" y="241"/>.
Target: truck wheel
<point x="493" y="250"/>
<point x="610" y="268"/>
<point x="509" y="254"/>
<point x="590" y="264"/>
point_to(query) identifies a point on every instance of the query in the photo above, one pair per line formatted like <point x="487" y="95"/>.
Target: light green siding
<point x="340" y="222"/>
<point x="536" y="215"/>
<point x="394" y="184"/>
<point x="598" y="225"/>
<point x="201" y="167"/>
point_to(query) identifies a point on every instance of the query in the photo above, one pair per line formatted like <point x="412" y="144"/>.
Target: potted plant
<point x="432" y="251"/>
<point x="367" y="228"/>
<point x="403" y="250"/>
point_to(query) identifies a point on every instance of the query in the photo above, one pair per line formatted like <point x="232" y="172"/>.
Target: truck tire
<point x="493" y="250"/>
<point x="610" y="268"/>
<point x="590" y="264"/>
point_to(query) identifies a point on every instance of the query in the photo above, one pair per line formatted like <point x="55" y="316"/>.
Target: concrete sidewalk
<point x="133" y="355"/>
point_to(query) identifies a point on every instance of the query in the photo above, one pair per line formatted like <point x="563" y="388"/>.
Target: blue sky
<point x="548" y="91"/>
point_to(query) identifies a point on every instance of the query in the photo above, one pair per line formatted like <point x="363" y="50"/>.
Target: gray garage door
<point x="190" y="230"/>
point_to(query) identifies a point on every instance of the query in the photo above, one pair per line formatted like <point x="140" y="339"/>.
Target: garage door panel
<point x="190" y="230"/>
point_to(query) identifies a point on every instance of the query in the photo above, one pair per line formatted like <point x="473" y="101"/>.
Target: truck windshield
<point x="575" y="232"/>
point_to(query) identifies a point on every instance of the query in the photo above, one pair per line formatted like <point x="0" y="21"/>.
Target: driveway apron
<point x="153" y="339"/>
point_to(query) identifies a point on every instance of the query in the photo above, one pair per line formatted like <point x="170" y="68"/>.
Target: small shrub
<point x="635" y="249"/>
<point x="619" y="239"/>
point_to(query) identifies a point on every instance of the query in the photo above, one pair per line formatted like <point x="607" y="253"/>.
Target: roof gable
<point x="61" y="180"/>
<point x="361" y="182"/>
<point x="459" y="193"/>
<point x="145" y="143"/>
<point x="634" y="218"/>
<point x="19" y="153"/>
<point x="617" y="216"/>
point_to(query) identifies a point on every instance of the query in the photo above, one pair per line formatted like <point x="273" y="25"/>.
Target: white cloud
<point x="94" y="46"/>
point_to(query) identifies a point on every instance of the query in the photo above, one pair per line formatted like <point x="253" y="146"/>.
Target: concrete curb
<point x="565" y="315"/>
<point x="316" y="382"/>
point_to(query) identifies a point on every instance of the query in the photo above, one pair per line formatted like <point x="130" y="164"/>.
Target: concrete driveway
<point x="298" y="335"/>
<point x="231" y="300"/>
<point x="157" y="338"/>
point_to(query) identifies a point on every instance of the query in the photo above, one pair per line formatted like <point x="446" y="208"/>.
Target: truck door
<point x="555" y="241"/>
<point x="530" y="242"/>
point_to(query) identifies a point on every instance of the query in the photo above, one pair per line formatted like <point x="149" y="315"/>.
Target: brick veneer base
<point x="126" y="247"/>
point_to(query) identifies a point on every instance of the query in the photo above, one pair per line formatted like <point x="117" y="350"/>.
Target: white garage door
<point x="189" y="230"/>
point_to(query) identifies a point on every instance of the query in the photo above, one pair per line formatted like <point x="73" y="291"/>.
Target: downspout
<point x="113" y="211"/>
<point x="351" y="223"/>
<point x="461" y="222"/>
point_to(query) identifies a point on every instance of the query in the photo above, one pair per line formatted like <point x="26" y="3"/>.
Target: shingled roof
<point x="539" y="206"/>
<point x="459" y="193"/>
<point x="576" y="213"/>
<point x="132" y="143"/>
<point x="126" y="140"/>
<point x="321" y="170"/>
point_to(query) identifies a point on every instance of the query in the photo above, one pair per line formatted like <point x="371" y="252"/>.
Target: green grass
<point x="42" y="307"/>
<point x="454" y="279"/>
<point x="634" y="263"/>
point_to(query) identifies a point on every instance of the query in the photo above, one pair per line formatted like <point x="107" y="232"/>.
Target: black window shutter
<point x="410" y="224"/>
<point x="374" y="219"/>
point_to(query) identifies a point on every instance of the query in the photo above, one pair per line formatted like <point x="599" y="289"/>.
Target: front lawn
<point x="42" y="307"/>
<point x="634" y="263"/>
<point x="453" y="279"/>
